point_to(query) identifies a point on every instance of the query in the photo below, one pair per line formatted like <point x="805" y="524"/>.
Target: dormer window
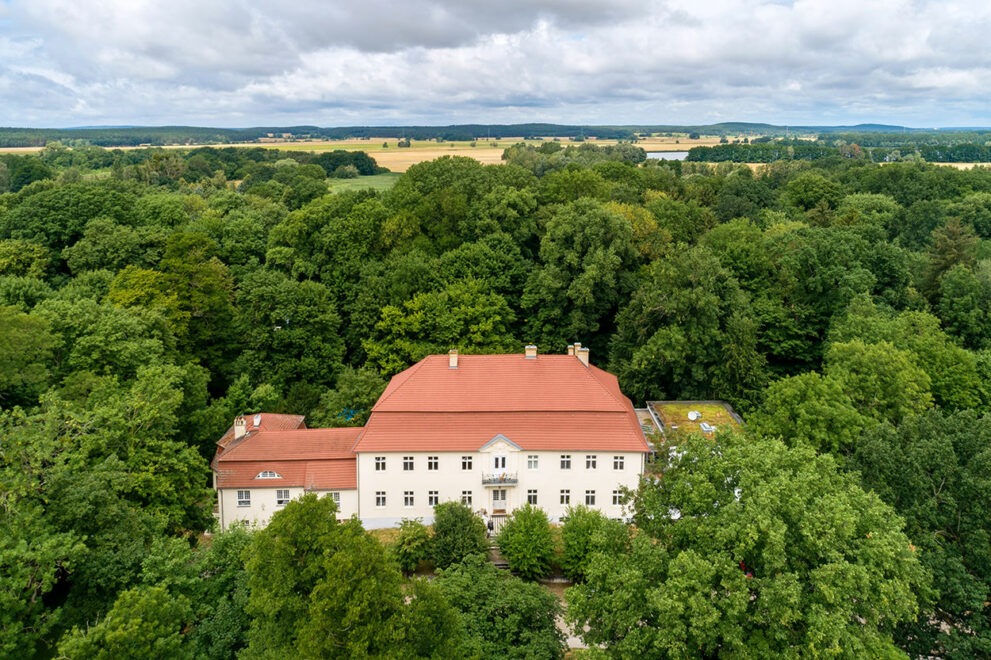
<point x="268" y="474"/>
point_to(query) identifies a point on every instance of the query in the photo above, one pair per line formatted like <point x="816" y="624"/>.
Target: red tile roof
<point x="552" y="402"/>
<point x="310" y="458"/>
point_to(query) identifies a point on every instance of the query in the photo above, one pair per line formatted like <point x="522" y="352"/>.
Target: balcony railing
<point x="500" y="479"/>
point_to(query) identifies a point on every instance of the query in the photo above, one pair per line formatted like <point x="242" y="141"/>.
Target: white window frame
<point x="282" y="497"/>
<point x="619" y="463"/>
<point x="533" y="462"/>
<point x="380" y="463"/>
<point x="466" y="497"/>
<point x="466" y="463"/>
<point x="499" y="462"/>
<point x="589" y="498"/>
<point x="268" y="474"/>
<point x="380" y="499"/>
<point x="617" y="498"/>
<point x="591" y="461"/>
<point x="336" y="496"/>
<point x="566" y="496"/>
<point x="433" y="497"/>
<point x="565" y="461"/>
<point x="433" y="463"/>
<point x="408" y="498"/>
<point x="408" y="463"/>
<point x="244" y="498"/>
<point x="531" y="496"/>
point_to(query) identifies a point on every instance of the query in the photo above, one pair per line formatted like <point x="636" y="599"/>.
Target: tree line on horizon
<point x="842" y="307"/>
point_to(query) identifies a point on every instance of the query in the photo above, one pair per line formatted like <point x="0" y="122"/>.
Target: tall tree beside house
<point x="526" y="543"/>
<point x="458" y="534"/>
<point x="749" y="548"/>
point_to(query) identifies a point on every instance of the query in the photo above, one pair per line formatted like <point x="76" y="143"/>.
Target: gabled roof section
<point x="499" y="438"/>
<point x="502" y="383"/>
<point x="300" y="444"/>
<point x="266" y="422"/>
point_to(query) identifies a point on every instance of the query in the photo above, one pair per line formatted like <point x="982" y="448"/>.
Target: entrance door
<point x="499" y="500"/>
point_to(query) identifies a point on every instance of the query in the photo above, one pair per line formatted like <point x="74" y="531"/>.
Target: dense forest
<point x="842" y="307"/>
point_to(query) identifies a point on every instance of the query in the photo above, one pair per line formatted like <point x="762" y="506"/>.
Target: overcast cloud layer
<point x="237" y="63"/>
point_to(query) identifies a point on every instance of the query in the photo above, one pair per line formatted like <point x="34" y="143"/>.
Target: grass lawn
<point x="674" y="414"/>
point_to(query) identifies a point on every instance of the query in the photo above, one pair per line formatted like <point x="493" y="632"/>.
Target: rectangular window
<point x="466" y="497"/>
<point x="432" y="462"/>
<point x="380" y="498"/>
<point x="244" y="498"/>
<point x="379" y="463"/>
<point x="281" y="497"/>
<point x="591" y="462"/>
<point x="617" y="497"/>
<point x="407" y="498"/>
<point x="532" y="462"/>
<point x="565" y="461"/>
<point x="466" y="463"/>
<point x="565" y="496"/>
<point x="531" y="497"/>
<point x="337" y="499"/>
<point x="433" y="497"/>
<point x="618" y="462"/>
<point x="407" y="463"/>
<point x="499" y="462"/>
<point x="589" y="498"/>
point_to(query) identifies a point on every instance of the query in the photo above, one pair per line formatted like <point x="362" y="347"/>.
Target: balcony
<point x="500" y="479"/>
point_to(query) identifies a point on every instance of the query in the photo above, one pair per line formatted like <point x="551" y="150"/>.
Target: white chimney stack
<point x="582" y="354"/>
<point x="530" y="352"/>
<point x="571" y="349"/>
<point x="452" y="358"/>
<point x="240" y="427"/>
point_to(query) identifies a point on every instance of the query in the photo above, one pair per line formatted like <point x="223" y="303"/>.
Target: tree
<point x="503" y="616"/>
<point x="526" y="543"/>
<point x="412" y="545"/>
<point x="143" y="623"/>
<point x="25" y="351"/>
<point x="350" y="402"/>
<point x="935" y="470"/>
<point x="458" y="534"/>
<point x="749" y="548"/>
<point x="583" y="533"/>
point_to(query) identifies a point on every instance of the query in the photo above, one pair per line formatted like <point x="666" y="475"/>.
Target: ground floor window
<point x="407" y="498"/>
<point x="589" y="498"/>
<point x="433" y="497"/>
<point x="565" y="496"/>
<point x="337" y="499"/>
<point x="244" y="498"/>
<point x="617" y="497"/>
<point x="531" y="497"/>
<point x="380" y="498"/>
<point x="466" y="497"/>
<point x="281" y="497"/>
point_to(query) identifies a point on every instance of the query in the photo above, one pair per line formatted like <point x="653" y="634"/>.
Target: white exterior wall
<point x="449" y="480"/>
<point x="264" y="504"/>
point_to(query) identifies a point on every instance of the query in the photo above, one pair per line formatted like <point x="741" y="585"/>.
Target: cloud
<point x="245" y="62"/>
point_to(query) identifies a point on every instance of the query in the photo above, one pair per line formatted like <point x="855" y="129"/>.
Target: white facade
<point x="256" y="505"/>
<point x="497" y="479"/>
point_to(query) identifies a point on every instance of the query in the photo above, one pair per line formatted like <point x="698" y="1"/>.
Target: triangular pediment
<point x="500" y="438"/>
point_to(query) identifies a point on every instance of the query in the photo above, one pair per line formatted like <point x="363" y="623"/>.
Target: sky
<point x="241" y="63"/>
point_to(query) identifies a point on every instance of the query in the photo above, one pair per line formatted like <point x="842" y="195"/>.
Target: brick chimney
<point x="240" y="427"/>
<point x="530" y="352"/>
<point x="452" y="358"/>
<point x="582" y="354"/>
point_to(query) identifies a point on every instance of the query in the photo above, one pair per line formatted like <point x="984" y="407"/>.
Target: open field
<point x="377" y="182"/>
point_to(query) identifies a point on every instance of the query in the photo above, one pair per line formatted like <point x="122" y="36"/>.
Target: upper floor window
<point x="499" y="462"/>
<point x="532" y="462"/>
<point x="244" y="497"/>
<point x="565" y="461"/>
<point x="618" y="462"/>
<point x="268" y="474"/>
<point x="432" y="462"/>
<point x="337" y="498"/>
<point x="407" y="463"/>
<point x="466" y="462"/>
<point x="379" y="463"/>
<point x="281" y="497"/>
<point x="591" y="462"/>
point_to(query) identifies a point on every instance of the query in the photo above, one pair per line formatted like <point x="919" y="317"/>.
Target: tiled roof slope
<point x="551" y="402"/>
<point x="268" y="422"/>
<point x="310" y="458"/>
